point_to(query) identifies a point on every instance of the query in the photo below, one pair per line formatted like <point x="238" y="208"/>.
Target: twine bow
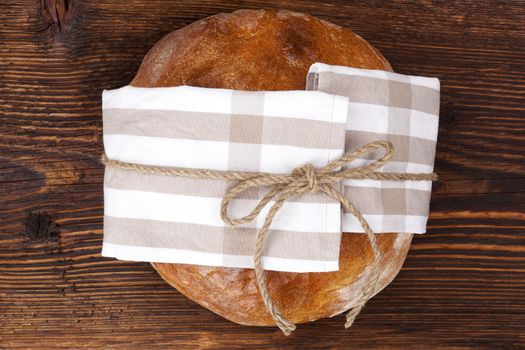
<point x="284" y="186"/>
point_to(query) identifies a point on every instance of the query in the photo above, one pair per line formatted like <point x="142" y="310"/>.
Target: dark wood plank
<point x="463" y="285"/>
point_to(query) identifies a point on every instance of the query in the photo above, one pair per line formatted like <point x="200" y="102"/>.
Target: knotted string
<point x="284" y="186"/>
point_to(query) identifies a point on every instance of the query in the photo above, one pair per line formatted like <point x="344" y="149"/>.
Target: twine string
<point x="301" y="180"/>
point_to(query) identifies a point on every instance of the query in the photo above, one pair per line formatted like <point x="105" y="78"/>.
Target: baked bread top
<point x="268" y="50"/>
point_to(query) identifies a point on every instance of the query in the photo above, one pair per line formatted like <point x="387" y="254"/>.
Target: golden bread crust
<point x="268" y="50"/>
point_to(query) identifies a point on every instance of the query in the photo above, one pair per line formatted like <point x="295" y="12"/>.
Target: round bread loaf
<point x="269" y="50"/>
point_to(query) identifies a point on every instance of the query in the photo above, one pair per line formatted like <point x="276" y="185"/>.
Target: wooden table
<point x="463" y="284"/>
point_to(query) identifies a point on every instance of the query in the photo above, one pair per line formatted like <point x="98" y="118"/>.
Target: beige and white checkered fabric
<point x="387" y="106"/>
<point x="176" y="220"/>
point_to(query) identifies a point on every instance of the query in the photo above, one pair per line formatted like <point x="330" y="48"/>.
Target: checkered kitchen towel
<point x="160" y="218"/>
<point x="387" y="106"/>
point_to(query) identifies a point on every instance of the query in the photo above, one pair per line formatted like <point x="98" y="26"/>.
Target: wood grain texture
<point x="463" y="284"/>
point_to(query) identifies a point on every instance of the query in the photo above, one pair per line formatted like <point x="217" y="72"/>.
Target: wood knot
<point x="40" y="228"/>
<point x="56" y="11"/>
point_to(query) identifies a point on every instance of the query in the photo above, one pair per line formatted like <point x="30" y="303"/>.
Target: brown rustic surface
<point x="463" y="284"/>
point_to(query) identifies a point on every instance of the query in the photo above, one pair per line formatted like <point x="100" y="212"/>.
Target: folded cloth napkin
<point x="399" y="108"/>
<point x="156" y="218"/>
